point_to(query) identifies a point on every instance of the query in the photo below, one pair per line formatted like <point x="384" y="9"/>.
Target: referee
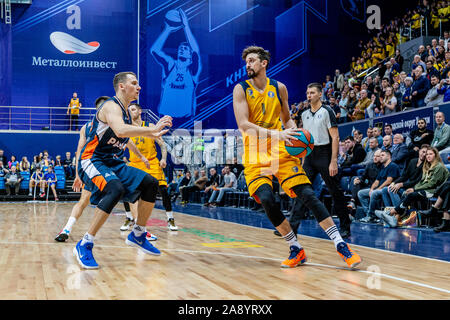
<point x="321" y="122"/>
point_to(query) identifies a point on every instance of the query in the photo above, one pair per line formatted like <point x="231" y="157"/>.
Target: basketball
<point x="173" y="19"/>
<point x="303" y="146"/>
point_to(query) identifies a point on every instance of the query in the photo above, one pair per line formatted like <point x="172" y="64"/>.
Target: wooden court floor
<point x="205" y="260"/>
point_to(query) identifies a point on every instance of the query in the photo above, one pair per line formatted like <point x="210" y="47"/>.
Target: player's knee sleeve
<point x="126" y="205"/>
<point x="272" y="207"/>
<point x="165" y="198"/>
<point x="112" y="193"/>
<point x="148" y="188"/>
<point x="306" y="194"/>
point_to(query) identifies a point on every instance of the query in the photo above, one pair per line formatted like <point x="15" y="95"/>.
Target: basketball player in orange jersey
<point x="258" y="104"/>
<point x="147" y="148"/>
<point x="77" y="185"/>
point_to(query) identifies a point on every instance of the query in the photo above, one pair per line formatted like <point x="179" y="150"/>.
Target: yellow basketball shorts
<point x="287" y="169"/>
<point x="155" y="170"/>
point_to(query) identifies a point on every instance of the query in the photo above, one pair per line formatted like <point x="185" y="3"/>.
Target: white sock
<point x="70" y="223"/>
<point x="139" y="230"/>
<point x="169" y="214"/>
<point x="129" y="215"/>
<point x="292" y="239"/>
<point x="87" y="238"/>
<point x="333" y="234"/>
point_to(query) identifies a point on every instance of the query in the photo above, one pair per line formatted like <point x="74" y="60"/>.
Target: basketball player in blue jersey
<point x="101" y="166"/>
<point x="179" y="77"/>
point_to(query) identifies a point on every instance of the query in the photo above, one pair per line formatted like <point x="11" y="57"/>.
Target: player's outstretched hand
<point x="288" y="134"/>
<point x="165" y="121"/>
<point x="77" y="184"/>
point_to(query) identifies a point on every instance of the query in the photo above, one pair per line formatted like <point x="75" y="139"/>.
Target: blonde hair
<point x="437" y="159"/>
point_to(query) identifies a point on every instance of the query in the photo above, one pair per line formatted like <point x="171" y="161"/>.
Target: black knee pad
<point x="148" y="188"/>
<point x="267" y="198"/>
<point x="112" y="193"/>
<point x="165" y="198"/>
<point x="127" y="206"/>
<point x="306" y="194"/>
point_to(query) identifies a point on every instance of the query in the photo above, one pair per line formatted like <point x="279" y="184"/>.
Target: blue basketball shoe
<point x="142" y="243"/>
<point x="84" y="255"/>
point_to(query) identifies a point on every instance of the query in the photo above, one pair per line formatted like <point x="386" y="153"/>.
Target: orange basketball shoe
<point x="296" y="258"/>
<point x="351" y="258"/>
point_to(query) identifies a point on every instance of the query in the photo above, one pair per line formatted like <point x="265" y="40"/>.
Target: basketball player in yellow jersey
<point x="258" y="104"/>
<point x="147" y="147"/>
<point x="74" y="109"/>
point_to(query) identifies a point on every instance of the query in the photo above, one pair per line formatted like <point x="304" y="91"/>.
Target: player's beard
<point x="251" y="73"/>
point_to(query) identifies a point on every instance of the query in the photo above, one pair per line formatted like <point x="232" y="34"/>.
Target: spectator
<point x="177" y="185"/>
<point x="377" y="135"/>
<point x="13" y="180"/>
<point x="230" y="184"/>
<point x="434" y="174"/>
<point x="441" y="139"/>
<point x="373" y="110"/>
<point x="50" y="182"/>
<point x="409" y="178"/>
<point x="354" y="155"/>
<point x="213" y="182"/>
<point x="399" y="58"/>
<point x="45" y="163"/>
<point x="236" y="168"/>
<point x="343" y="106"/>
<point x="422" y="53"/>
<point x="433" y="98"/>
<point x="69" y="169"/>
<point x="3" y="169"/>
<point x="442" y="202"/>
<point x="352" y="101"/>
<point x="398" y="94"/>
<point x="418" y="62"/>
<point x="399" y="151"/>
<point x="35" y="164"/>
<point x="13" y="162"/>
<point x="388" y="130"/>
<point x="431" y="70"/>
<point x="338" y="81"/>
<point x="366" y="180"/>
<point x="335" y="108"/>
<point x="419" y="88"/>
<point x="361" y="106"/>
<point x="358" y="137"/>
<point x="24" y="165"/>
<point x="387" y="143"/>
<point x="420" y="136"/>
<point x="444" y="89"/>
<point x="58" y="162"/>
<point x="407" y="96"/>
<point x="198" y="185"/>
<point x="365" y="141"/>
<point x="37" y="178"/>
<point x="369" y="197"/>
<point x="3" y="158"/>
<point x="373" y="146"/>
<point x="370" y="85"/>
<point x="389" y="103"/>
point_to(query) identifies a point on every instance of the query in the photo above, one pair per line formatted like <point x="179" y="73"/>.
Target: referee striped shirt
<point x="318" y="124"/>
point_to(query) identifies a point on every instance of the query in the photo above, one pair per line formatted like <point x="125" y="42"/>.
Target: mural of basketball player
<point x="180" y="76"/>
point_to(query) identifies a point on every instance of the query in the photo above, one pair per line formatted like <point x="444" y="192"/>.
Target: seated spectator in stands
<point x="50" y="181"/>
<point x="36" y="163"/>
<point x="377" y="135"/>
<point x="409" y="178"/>
<point x="420" y="136"/>
<point x="24" y="165"/>
<point x="444" y="89"/>
<point x="45" y="162"/>
<point x="373" y="146"/>
<point x="418" y="62"/>
<point x="361" y="106"/>
<point x="373" y="110"/>
<point x="13" y="180"/>
<point x="58" y="162"/>
<point x="366" y="180"/>
<point x="3" y="158"/>
<point x="335" y="108"/>
<point x="398" y="94"/>
<point x="441" y="139"/>
<point x="13" y="162"/>
<point x="422" y="53"/>
<point x="236" y="167"/>
<point x="69" y="169"/>
<point x="370" y="85"/>
<point x="433" y="98"/>
<point x="389" y="103"/>
<point x="442" y="202"/>
<point x="431" y="70"/>
<point x="3" y="170"/>
<point x="365" y="141"/>
<point x="387" y="143"/>
<point x="407" y="96"/>
<point x="213" y="182"/>
<point x="388" y="130"/>
<point x="358" y="137"/>
<point x="199" y="184"/>
<point x="419" y="89"/>
<point x="370" y="197"/>
<point x="399" y="151"/>
<point x="181" y="181"/>
<point x="49" y="157"/>
<point x="230" y="184"/>
<point x="434" y="174"/>
<point x="385" y="83"/>
<point x="354" y="155"/>
<point x="37" y="178"/>
<point x="352" y="101"/>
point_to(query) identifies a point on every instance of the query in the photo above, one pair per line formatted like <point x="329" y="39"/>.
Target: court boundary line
<point x="255" y="257"/>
